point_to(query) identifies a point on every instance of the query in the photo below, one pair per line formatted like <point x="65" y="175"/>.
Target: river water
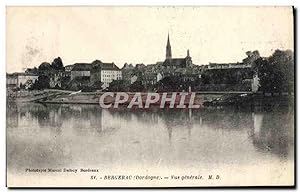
<point x="76" y="136"/>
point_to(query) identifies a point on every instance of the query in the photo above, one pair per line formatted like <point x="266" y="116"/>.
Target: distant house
<point x="105" y="72"/>
<point x="17" y="79"/>
<point x="128" y="71"/>
<point x="97" y="71"/>
<point x="180" y="71"/>
<point x="228" y="65"/>
<point x="68" y="68"/>
<point x="110" y="72"/>
<point x="128" y="66"/>
<point x="159" y="77"/>
<point x="133" y="79"/>
<point x="56" y="79"/>
<point x="81" y="70"/>
<point x="151" y="78"/>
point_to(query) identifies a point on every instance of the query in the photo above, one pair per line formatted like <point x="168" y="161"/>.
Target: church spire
<point x="168" y="49"/>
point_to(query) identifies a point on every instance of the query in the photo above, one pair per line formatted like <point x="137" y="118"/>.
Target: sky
<point x="139" y="34"/>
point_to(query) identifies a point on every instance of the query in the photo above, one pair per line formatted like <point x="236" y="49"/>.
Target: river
<point x="177" y="140"/>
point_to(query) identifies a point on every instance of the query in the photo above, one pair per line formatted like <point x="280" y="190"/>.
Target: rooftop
<point x="95" y="66"/>
<point x="109" y="66"/>
<point x="82" y="67"/>
<point x="21" y="74"/>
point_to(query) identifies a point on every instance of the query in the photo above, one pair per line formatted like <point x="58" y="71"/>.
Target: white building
<point x="97" y="71"/>
<point x="109" y="72"/>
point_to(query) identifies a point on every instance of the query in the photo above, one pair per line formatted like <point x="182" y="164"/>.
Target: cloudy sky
<point x="139" y="34"/>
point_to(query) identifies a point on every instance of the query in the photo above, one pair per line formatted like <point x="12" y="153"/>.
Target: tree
<point x="32" y="70"/>
<point x="252" y="56"/>
<point x="97" y="85"/>
<point x="22" y="86"/>
<point x="137" y="86"/>
<point x="45" y="66"/>
<point x="43" y="82"/>
<point x="168" y="83"/>
<point x="117" y="86"/>
<point x="80" y="83"/>
<point x="57" y="64"/>
<point x="276" y="73"/>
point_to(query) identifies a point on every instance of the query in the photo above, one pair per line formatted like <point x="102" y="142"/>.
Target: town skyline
<point x="126" y="39"/>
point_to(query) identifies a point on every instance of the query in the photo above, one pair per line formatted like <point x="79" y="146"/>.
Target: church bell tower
<point x="168" y="50"/>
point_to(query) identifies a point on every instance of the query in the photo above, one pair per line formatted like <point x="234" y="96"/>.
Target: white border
<point x="152" y="2"/>
<point x="5" y="3"/>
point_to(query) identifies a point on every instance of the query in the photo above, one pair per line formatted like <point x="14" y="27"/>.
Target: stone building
<point x="151" y="78"/>
<point x="176" y="62"/>
<point x="81" y="70"/>
<point x="58" y="78"/>
<point x="97" y="71"/>
<point x="105" y="72"/>
<point x="17" y="79"/>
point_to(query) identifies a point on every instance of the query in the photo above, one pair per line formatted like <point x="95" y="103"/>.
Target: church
<point x="176" y="62"/>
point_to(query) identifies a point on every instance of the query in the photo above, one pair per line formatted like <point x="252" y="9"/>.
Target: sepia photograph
<point x="150" y="96"/>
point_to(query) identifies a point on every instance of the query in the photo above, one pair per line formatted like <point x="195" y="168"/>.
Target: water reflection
<point x="273" y="132"/>
<point x="68" y="135"/>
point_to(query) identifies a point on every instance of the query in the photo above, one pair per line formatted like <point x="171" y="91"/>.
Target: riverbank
<point x="254" y="100"/>
<point x="204" y="99"/>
